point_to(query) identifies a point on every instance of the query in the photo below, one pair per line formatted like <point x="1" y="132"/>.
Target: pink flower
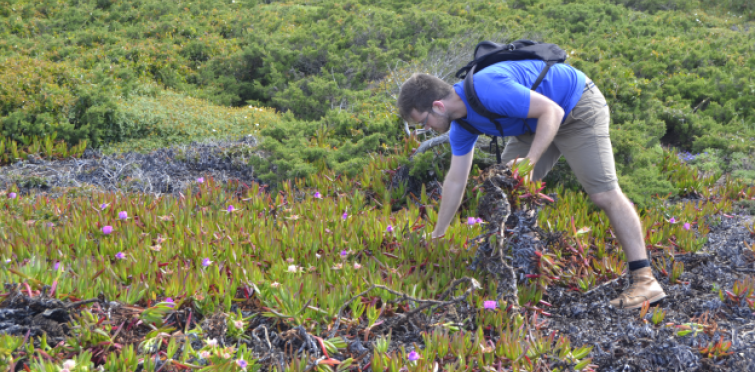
<point x="413" y="356"/>
<point x="107" y="230"/>
<point x="672" y="220"/>
<point x="122" y="215"/>
<point x="200" y="180"/>
<point x="344" y="253"/>
<point x="490" y="305"/>
<point x="318" y="195"/>
<point x="357" y="266"/>
<point x="103" y="206"/>
<point x="170" y="302"/>
<point x="206" y="262"/>
<point x="57" y="266"/>
<point x="231" y="208"/>
<point x="120" y="255"/>
<point x="204" y="354"/>
<point x="12" y="195"/>
<point x="345" y="215"/>
<point x="471" y="221"/>
<point x="239" y="324"/>
<point x="478" y="220"/>
<point x="241" y="363"/>
<point x="686" y="226"/>
<point x="390" y="228"/>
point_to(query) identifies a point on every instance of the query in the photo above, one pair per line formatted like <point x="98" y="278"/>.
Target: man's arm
<point x="453" y="190"/>
<point x="549" y="116"/>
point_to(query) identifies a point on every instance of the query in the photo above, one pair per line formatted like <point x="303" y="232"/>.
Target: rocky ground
<point x="622" y="342"/>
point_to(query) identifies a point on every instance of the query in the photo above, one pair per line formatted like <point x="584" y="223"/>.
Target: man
<point x="568" y="115"/>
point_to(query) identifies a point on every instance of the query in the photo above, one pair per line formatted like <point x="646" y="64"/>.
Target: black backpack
<point x="487" y="53"/>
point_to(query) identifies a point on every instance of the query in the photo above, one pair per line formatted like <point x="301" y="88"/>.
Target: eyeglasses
<point x="423" y="123"/>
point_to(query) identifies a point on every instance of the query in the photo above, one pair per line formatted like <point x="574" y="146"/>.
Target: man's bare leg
<point x="624" y="221"/>
<point x="628" y="229"/>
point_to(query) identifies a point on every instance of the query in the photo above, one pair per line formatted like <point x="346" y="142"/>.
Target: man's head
<point x="421" y="101"/>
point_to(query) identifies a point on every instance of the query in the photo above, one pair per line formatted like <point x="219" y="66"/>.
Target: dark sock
<point x="639" y="264"/>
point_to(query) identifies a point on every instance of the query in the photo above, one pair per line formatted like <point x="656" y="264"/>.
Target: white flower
<point x="292" y="269"/>
<point x="212" y="342"/>
<point x="69" y="364"/>
<point x="204" y="354"/>
<point x="275" y="285"/>
<point x="357" y="266"/>
<point x="316" y="256"/>
<point x="239" y="324"/>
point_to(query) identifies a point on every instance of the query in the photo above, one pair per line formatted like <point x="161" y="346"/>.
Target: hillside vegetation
<point x="315" y="80"/>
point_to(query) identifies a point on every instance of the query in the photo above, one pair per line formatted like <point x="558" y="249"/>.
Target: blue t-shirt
<point x="503" y="88"/>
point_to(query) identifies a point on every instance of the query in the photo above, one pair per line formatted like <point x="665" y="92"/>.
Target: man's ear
<point x="439" y="107"/>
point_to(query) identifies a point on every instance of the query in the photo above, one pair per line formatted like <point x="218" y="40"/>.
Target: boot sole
<point x="652" y="301"/>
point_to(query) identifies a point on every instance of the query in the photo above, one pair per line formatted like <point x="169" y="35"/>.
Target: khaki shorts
<point x="582" y="139"/>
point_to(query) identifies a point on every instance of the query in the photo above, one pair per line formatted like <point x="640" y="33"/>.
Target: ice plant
<point x="107" y="230"/>
<point x="672" y="220"/>
<point x="206" y="262"/>
<point x="345" y="215"/>
<point x="231" y="208"/>
<point x="239" y="324"/>
<point x="204" y="354"/>
<point x="357" y="266"/>
<point x="12" y="195"/>
<point x="200" y="180"/>
<point x="413" y="356"/>
<point x="212" y="342"/>
<point x="490" y="305"/>
<point x="389" y="229"/>
<point x="120" y="255"/>
<point x="292" y="268"/>
<point x="170" y="302"/>
<point x="57" y="266"/>
<point x="478" y="220"/>
<point x="122" y="215"/>
<point x="686" y="226"/>
<point x="344" y="253"/>
<point x="241" y="363"/>
<point x="318" y="195"/>
<point x="103" y="206"/>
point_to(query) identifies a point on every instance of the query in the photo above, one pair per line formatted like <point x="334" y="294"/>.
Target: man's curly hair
<point x="419" y="92"/>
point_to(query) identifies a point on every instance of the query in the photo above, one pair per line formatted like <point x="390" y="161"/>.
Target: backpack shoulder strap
<point x="464" y="124"/>
<point x="477" y="105"/>
<point x="540" y="77"/>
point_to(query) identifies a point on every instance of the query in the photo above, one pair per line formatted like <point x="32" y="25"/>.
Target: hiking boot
<point x="644" y="288"/>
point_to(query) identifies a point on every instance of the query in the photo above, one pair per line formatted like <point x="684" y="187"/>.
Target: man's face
<point x="440" y="123"/>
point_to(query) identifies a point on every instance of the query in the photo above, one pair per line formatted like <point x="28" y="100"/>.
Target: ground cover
<point x="330" y="273"/>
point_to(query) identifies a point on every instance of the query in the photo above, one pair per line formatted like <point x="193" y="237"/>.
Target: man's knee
<point x="605" y="199"/>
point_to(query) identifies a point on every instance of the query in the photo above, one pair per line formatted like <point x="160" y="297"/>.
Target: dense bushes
<point x="675" y="72"/>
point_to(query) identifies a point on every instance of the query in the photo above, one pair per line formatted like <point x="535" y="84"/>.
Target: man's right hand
<point x="453" y="190"/>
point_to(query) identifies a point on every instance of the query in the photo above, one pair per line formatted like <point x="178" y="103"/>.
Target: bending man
<point x="568" y="115"/>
